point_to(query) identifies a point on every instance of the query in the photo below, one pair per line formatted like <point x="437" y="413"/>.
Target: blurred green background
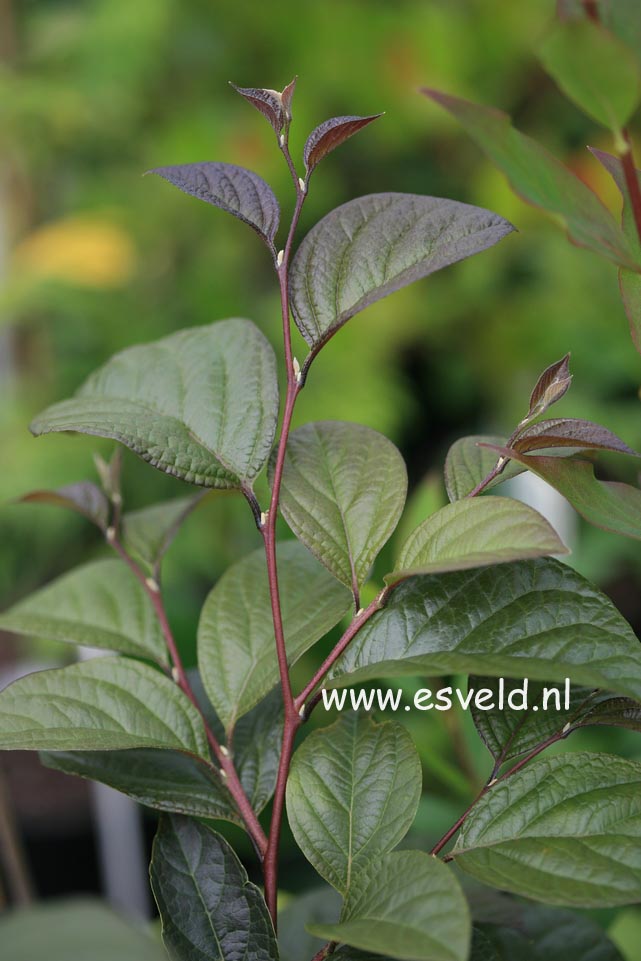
<point x="93" y="258"/>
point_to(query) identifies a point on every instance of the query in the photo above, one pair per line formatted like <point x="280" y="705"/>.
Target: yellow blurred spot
<point x="84" y="251"/>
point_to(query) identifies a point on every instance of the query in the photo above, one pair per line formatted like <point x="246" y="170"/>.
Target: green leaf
<point x="595" y="70"/>
<point x="236" y="634"/>
<point x="74" y="930"/>
<point x="352" y="795"/>
<point x="210" y="911"/>
<point x="542" y="180"/>
<point x="318" y="906"/>
<point x="372" y="246"/>
<point x="83" y="498"/>
<point x="100" y="705"/>
<point x="342" y="494"/>
<point x="407" y="904"/>
<point x="564" y="830"/>
<point x="612" y="712"/>
<point x="536" y="619"/>
<point x="483" y="949"/>
<point x="239" y="192"/>
<point x="147" y="534"/>
<point x="201" y="404"/>
<point x="100" y="604"/>
<point x="619" y="16"/>
<point x="256" y="748"/>
<point x="473" y="533"/>
<point x="609" y="505"/>
<point x="467" y="464"/>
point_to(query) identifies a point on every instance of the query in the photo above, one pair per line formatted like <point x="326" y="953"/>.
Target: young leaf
<point x="352" y="795"/>
<point x="84" y="498"/>
<point x="209" y="909"/>
<point x="236" y="634"/>
<point x="551" y="386"/>
<point x="75" y="930"/>
<point x="536" y="619"/>
<point x="342" y="494"/>
<point x="542" y="180"/>
<point x="595" y="70"/>
<point x="469" y="460"/>
<point x="147" y="534"/>
<point x="331" y="134"/>
<point x="613" y="712"/>
<point x="610" y="505"/>
<point x="372" y="246"/>
<point x="104" y="704"/>
<point x="201" y="404"/>
<point x="100" y="604"/>
<point x="405" y="904"/>
<point x="572" y="433"/>
<point x="109" y="473"/>
<point x="239" y="192"/>
<point x="565" y="830"/>
<point x="274" y="105"/>
<point x="473" y="533"/>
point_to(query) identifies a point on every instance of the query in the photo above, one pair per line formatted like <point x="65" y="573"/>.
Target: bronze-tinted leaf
<point x="269" y="102"/>
<point x="569" y="432"/>
<point x="331" y="134"/>
<point x="84" y="498"/>
<point x="553" y="383"/>
<point x="287" y="96"/>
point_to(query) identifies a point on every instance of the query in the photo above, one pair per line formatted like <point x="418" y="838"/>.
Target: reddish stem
<point x="632" y="181"/>
<point x="591" y="10"/>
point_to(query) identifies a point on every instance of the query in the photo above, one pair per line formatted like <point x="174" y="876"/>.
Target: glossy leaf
<point x="610" y="505"/>
<point x="408" y="905"/>
<point x="236" y="634"/>
<point x="542" y="180"/>
<point x="564" y="830"/>
<point x="103" y="704"/>
<point x="100" y="604"/>
<point x="201" y="404"/>
<point x="342" y="494"/>
<point x="329" y="135"/>
<point x="536" y="619"/>
<point x="209" y="909"/>
<point x="320" y="905"/>
<point x="473" y="533"/>
<point x="147" y="534"/>
<point x="352" y="795"/>
<point x="595" y="70"/>
<point x="239" y="192"/>
<point x="83" y="498"/>
<point x="372" y="246"/>
<point x="572" y="433"/>
<point x="469" y="461"/>
<point x="75" y="930"/>
<point x="551" y="386"/>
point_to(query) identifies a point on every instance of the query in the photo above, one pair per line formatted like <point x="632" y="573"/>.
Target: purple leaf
<point x="331" y="134"/>
<point x="269" y="102"/>
<point x="83" y="498"/>
<point x="553" y="383"/>
<point x="287" y="96"/>
<point x="240" y="192"/>
<point x="569" y="432"/>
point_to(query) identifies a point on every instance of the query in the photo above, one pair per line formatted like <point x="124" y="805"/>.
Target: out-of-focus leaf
<point x="342" y="494"/>
<point x="84" y="498"/>
<point x="619" y="16"/>
<point x="372" y="246"/>
<point x="573" y="433"/>
<point x="240" y="192"/>
<point x="201" y="404"/>
<point x="542" y="180"/>
<point x="147" y="533"/>
<point x="483" y="949"/>
<point x="473" y="533"/>
<point x="100" y="604"/>
<point x="109" y="473"/>
<point x="209" y="909"/>
<point x="595" y="70"/>
<point x="318" y="906"/>
<point x="469" y="460"/>
<point x="551" y="386"/>
<point x="565" y="830"/>
<point x="105" y="704"/>
<point x="329" y="135"/>
<point x="406" y="904"/>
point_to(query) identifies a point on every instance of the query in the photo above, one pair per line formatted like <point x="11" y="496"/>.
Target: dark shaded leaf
<point x="201" y="404"/>
<point x="537" y="619"/>
<point x="240" y="192"/>
<point x="372" y="246"/>
<point x="564" y="830"/>
<point x="569" y="432"/>
<point x="209" y="909"/>
<point x="84" y="498"/>
<point x="469" y="460"/>
<point x="483" y="949"/>
<point x="331" y="134"/>
<point x="317" y="906"/>
<point x="553" y="383"/>
<point x="475" y="532"/>
<point x="613" y="712"/>
<point x="542" y="180"/>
